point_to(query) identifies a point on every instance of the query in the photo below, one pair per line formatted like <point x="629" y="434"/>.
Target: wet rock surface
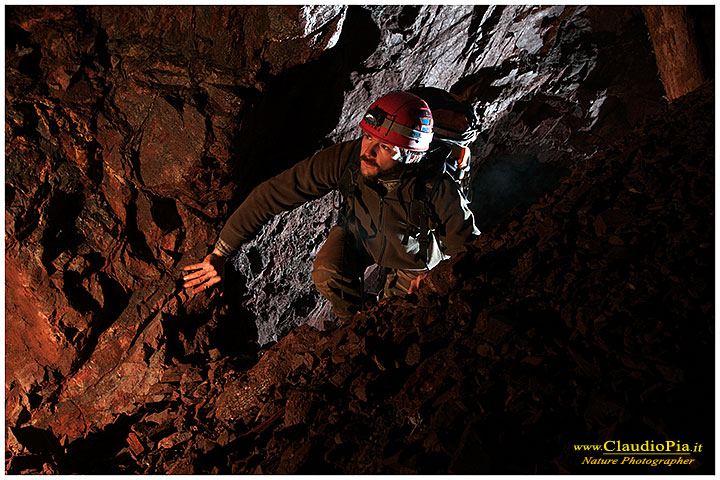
<point x="131" y="134"/>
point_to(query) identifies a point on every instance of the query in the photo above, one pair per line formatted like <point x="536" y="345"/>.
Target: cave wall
<point x="121" y="148"/>
<point x="132" y="133"/>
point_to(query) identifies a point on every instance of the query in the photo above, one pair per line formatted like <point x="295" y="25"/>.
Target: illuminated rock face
<point x="121" y="127"/>
<point x="132" y="133"/>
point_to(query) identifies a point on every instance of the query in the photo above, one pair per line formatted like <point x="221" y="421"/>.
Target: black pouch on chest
<point x="418" y="221"/>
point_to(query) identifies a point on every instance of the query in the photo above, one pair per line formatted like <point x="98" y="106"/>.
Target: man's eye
<point x="387" y="148"/>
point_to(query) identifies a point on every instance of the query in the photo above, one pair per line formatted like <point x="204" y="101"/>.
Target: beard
<point x="378" y="174"/>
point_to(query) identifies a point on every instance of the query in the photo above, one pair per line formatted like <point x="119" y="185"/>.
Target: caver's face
<point x="378" y="159"/>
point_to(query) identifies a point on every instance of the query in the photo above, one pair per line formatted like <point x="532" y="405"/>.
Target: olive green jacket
<point x="380" y="217"/>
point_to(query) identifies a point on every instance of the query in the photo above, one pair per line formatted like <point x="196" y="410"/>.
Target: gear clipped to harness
<point x="456" y="126"/>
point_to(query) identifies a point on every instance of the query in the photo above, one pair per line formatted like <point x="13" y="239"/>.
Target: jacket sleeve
<point x="457" y="224"/>
<point x="307" y="180"/>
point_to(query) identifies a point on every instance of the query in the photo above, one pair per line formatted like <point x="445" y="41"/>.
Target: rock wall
<point x="122" y="149"/>
<point x="132" y="133"/>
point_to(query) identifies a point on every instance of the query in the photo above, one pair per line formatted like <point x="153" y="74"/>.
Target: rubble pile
<point x="588" y="318"/>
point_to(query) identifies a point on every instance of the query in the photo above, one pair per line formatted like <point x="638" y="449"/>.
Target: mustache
<point x="368" y="160"/>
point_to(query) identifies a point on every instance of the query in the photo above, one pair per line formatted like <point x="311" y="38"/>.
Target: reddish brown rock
<point x="95" y="216"/>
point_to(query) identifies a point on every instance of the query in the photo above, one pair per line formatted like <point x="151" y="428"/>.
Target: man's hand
<point x="205" y="274"/>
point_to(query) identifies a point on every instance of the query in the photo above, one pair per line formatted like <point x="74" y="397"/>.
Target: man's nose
<point x="370" y="150"/>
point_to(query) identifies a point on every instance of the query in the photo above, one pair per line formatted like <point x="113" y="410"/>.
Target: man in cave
<point x="396" y="213"/>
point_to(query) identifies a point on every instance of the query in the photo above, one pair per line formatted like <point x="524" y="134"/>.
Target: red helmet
<point x="401" y="119"/>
